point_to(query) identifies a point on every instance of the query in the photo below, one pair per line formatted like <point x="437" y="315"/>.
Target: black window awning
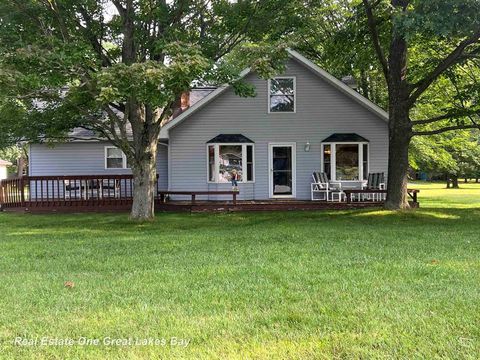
<point x="341" y="137"/>
<point x="230" y="138"/>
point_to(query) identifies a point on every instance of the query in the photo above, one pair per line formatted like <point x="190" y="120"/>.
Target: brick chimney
<point x="185" y="100"/>
<point x="181" y="104"/>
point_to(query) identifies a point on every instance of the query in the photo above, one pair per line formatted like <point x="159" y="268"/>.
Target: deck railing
<point x="69" y="191"/>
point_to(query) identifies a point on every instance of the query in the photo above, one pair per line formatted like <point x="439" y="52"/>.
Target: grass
<point x="280" y="285"/>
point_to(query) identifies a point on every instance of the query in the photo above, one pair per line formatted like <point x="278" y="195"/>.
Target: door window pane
<point x="282" y="158"/>
<point x="282" y="170"/>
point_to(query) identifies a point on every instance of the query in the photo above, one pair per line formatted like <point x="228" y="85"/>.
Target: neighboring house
<point x="302" y="121"/>
<point x="3" y="169"/>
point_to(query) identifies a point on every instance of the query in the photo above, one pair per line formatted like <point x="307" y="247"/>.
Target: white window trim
<point x="333" y="159"/>
<point x="216" y="159"/>
<point x="294" y="95"/>
<point x="124" y="159"/>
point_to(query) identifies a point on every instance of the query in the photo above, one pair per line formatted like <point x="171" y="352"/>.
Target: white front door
<point x="282" y="167"/>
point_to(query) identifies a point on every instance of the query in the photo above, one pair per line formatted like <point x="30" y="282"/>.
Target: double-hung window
<point x="226" y="157"/>
<point x="115" y="158"/>
<point x="282" y="95"/>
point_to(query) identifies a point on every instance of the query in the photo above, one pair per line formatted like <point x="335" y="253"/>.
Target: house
<point x="3" y="168"/>
<point x="301" y="121"/>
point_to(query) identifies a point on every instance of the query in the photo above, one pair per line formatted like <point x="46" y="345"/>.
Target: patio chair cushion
<point x="320" y="177"/>
<point x="110" y="185"/>
<point x="374" y="180"/>
<point x="72" y="185"/>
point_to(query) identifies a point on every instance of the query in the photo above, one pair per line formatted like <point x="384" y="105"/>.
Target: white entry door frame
<point x="291" y="170"/>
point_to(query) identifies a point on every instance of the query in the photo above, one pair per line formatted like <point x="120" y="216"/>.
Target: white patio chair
<point x="320" y="185"/>
<point x="376" y="181"/>
<point x="74" y="189"/>
<point x="110" y="188"/>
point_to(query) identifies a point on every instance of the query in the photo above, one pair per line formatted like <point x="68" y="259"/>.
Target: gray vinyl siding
<point x="84" y="158"/>
<point x="321" y="110"/>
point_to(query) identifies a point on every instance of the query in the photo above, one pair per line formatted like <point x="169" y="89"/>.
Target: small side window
<point x="115" y="158"/>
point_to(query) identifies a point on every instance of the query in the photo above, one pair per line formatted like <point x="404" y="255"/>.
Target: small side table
<point x="339" y="194"/>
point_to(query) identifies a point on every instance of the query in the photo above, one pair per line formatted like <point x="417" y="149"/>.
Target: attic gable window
<point x="281" y="95"/>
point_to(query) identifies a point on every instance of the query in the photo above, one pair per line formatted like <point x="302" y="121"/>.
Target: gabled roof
<point x="332" y="80"/>
<point x="230" y="138"/>
<point x="342" y="137"/>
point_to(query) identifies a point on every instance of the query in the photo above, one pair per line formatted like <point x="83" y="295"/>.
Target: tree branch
<point x="444" y="65"/>
<point x="94" y="41"/>
<point x="372" y="25"/>
<point x="445" y="117"/>
<point x="120" y="8"/>
<point x="445" y="129"/>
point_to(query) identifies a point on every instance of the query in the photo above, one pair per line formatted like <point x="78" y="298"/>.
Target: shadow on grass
<point x="175" y="224"/>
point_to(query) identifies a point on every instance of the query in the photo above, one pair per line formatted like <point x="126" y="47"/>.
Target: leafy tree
<point x="424" y="49"/>
<point x="449" y="155"/>
<point x="112" y="66"/>
<point x="15" y="155"/>
<point x="334" y="35"/>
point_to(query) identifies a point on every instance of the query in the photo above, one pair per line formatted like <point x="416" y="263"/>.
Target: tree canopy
<point x="419" y="59"/>
<point x="119" y="67"/>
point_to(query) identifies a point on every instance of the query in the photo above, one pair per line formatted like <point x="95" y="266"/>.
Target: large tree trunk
<point x="455" y="182"/>
<point x="144" y="160"/>
<point x="400" y="126"/>
<point x="399" y="137"/>
<point x="20" y="166"/>
<point x="144" y="185"/>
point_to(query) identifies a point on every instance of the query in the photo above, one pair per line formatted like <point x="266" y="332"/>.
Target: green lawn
<point x="280" y="285"/>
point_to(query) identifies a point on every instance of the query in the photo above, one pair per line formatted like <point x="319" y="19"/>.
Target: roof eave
<point x="197" y="106"/>
<point x="332" y="80"/>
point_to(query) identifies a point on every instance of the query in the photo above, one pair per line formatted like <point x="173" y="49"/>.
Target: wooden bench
<point x="348" y="193"/>
<point x="194" y="194"/>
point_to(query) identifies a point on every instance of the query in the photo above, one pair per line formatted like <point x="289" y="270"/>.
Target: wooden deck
<point x="113" y="193"/>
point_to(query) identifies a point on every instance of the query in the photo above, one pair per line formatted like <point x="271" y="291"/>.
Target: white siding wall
<point x="321" y="111"/>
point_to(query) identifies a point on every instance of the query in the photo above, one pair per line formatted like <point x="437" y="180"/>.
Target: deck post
<point x="22" y="191"/>
<point x="1" y="193"/>
<point x="235" y="198"/>
<point x="193" y="199"/>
